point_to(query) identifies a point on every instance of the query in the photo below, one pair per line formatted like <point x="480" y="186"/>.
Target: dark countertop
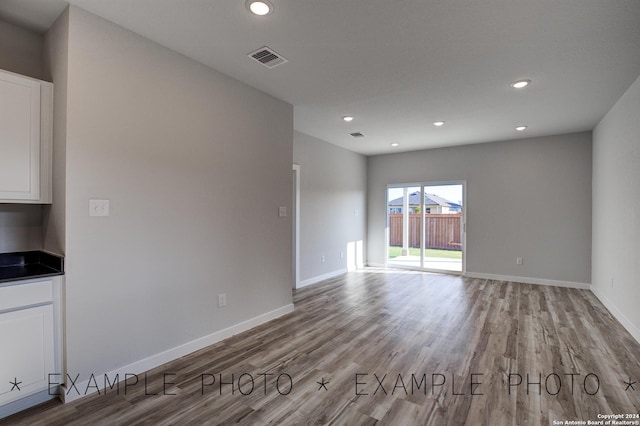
<point x="29" y="264"/>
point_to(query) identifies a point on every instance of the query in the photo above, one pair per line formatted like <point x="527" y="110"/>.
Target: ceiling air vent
<point x="357" y="135"/>
<point x="267" y="57"/>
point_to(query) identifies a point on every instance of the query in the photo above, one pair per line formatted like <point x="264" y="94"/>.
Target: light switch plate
<point x="282" y="211"/>
<point x="98" y="207"/>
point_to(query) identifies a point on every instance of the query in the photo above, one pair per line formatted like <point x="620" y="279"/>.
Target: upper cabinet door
<point x="25" y="139"/>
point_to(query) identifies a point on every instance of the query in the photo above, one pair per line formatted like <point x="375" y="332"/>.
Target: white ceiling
<point x="399" y="65"/>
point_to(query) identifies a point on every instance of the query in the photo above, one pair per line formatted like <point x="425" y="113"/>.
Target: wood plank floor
<point x="393" y="348"/>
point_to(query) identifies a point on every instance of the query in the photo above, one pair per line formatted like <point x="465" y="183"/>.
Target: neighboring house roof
<point x="429" y="200"/>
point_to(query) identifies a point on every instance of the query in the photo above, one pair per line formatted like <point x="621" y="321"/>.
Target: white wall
<point x="20" y="224"/>
<point x="332" y="207"/>
<point x="616" y="229"/>
<point x="508" y="183"/>
<point x="195" y="165"/>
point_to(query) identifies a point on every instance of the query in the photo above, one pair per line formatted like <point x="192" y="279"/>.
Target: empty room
<point x="349" y="212"/>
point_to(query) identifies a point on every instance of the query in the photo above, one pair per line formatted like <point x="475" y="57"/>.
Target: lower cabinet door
<point x="27" y="355"/>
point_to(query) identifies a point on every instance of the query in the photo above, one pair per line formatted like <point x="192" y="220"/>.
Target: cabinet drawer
<point x="24" y="294"/>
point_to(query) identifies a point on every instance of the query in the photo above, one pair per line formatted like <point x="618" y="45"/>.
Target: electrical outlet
<point x="322" y="259"/>
<point x="282" y="211"/>
<point x="341" y="255"/>
<point x="98" y="207"/>
<point x="222" y="300"/>
<point x="518" y="261"/>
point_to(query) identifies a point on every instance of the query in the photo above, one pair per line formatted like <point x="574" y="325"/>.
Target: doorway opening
<point x="426" y="226"/>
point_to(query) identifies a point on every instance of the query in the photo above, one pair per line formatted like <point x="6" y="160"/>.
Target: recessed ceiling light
<point x="395" y="144"/>
<point x="260" y="8"/>
<point x="521" y="128"/>
<point x="519" y="84"/>
<point x="438" y="123"/>
<point x="348" y="118"/>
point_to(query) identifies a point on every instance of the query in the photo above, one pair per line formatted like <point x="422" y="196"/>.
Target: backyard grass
<point x="395" y="251"/>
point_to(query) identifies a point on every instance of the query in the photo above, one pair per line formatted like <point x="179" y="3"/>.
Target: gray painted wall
<point x="21" y="51"/>
<point x="195" y="165"/>
<point x="332" y="206"/>
<point x="616" y="209"/>
<point x="20" y="227"/>
<point x="20" y="224"/>
<point x="527" y="198"/>
<point x="56" y="59"/>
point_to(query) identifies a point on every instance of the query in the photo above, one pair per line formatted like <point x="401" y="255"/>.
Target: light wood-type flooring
<point x="393" y="348"/>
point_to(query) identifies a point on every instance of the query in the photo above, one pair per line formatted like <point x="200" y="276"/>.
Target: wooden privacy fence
<point x="443" y="230"/>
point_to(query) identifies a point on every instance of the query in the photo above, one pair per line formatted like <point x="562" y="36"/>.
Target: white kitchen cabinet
<point x="26" y="116"/>
<point x="30" y="338"/>
<point x="28" y="354"/>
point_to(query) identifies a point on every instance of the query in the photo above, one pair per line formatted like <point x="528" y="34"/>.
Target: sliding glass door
<point x="425" y="226"/>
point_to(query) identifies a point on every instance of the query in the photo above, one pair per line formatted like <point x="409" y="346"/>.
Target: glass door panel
<point x="443" y="227"/>
<point x="404" y="219"/>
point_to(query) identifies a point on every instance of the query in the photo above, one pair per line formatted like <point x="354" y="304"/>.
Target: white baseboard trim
<point x="317" y="279"/>
<point x="529" y="280"/>
<point x="376" y="265"/>
<point x="617" y="313"/>
<point x="88" y="386"/>
<point x="26" y="402"/>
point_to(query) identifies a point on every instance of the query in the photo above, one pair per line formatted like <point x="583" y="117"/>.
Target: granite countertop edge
<point x="26" y="265"/>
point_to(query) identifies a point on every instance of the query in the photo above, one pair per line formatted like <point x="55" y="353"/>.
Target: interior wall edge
<point x="617" y="314"/>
